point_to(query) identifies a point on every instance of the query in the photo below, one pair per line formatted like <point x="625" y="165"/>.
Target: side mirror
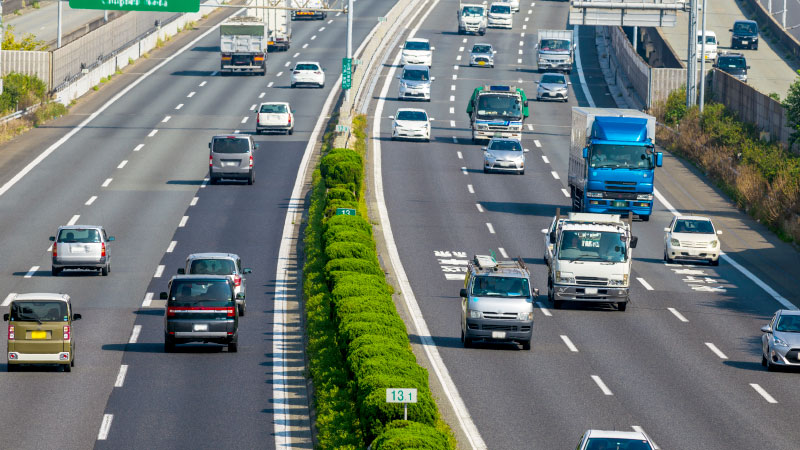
<point x="634" y="241"/>
<point x="463" y="293"/>
<point x="747" y="67"/>
<point x="391" y="117"/>
<point x="494" y="52"/>
<point x="209" y="145"/>
<point x="400" y="46"/>
<point x="719" y="231"/>
<point x="659" y="159"/>
<point x="526" y="150"/>
<point x="255" y="145"/>
<point x="486" y="149"/>
<point x="181" y="271"/>
<point x="433" y="48"/>
<point x="53" y="238"/>
<point x="526" y="103"/>
<point x="730" y="29"/>
<point x="585" y="152"/>
<point x="764" y="329"/>
<point x="240" y="296"/>
<point x="544" y="230"/>
<point x="110" y="238"/>
<point x="5" y="317"/>
<point x="666" y="229"/>
<point x="433" y="78"/>
<point x="537" y="81"/>
<point x="76" y="317"/>
<point x="536" y="46"/>
<point x="246" y="270"/>
<point x="162" y="296"/>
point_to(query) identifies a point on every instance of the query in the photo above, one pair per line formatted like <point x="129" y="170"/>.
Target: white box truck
<point x="555" y="50"/>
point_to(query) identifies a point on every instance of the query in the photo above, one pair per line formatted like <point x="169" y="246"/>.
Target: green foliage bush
<point x="375" y="412"/>
<point x="350" y="250"/>
<point x="353" y="285"/>
<point x="381" y="304"/>
<point x="355" y="223"/>
<point x="404" y="435"/>
<point x="21" y="91"/>
<point x="343" y="233"/>
<point x="676" y="107"/>
<point x="330" y="208"/>
<point x="353" y="265"/>
<point x="341" y="194"/>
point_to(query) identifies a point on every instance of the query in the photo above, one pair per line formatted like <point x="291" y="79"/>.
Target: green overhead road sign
<point x="138" y="5"/>
<point x="345" y="212"/>
<point x="347" y="72"/>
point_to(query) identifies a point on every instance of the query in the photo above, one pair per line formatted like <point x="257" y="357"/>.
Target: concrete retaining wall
<point x="27" y="62"/>
<point x="789" y="42"/>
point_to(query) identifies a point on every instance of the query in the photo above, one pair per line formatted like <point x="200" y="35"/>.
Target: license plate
<point x="481" y="63"/>
<point x="591" y="291"/>
<point x="200" y="327"/>
<point x="231" y="163"/>
<point x="498" y="334"/>
<point x="38" y="334"/>
<point x="77" y="249"/>
<point x="745" y="42"/>
<point x="619" y="203"/>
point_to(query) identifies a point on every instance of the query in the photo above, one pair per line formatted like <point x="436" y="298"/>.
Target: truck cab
<point x="472" y="18"/>
<point x="555" y="50"/>
<point x="497" y="111"/>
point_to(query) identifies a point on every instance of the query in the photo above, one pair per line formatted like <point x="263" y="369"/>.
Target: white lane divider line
<point x="519" y="60"/>
<point x="91" y="200"/>
<point x="148" y="298"/>
<point x="545" y="159"/>
<point x="464" y="40"/>
<point x="530" y="127"/>
<point x="455" y="67"/>
<point x="526" y="19"/>
<point x="520" y="51"/>
<point x="205" y="182"/>
<point x="321" y="29"/>
<point x="480" y="208"/>
<point x="253" y="107"/>
<point x="194" y="201"/>
<point x="137" y="329"/>
<point x="602" y="385"/>
<point x="313" y="37"/>
<point x="107" y="182"/>
<point x="305" y="45"/>
<point x="296" y="55"/>
<point x="123" y="370"/>
<point x="458" y="57"/>
<point x="555" y="175"/>
<point x="74" y="219"/>
<point x="171" y="246"/>
<point x="180" y="105"/>
<point x="544" y="309"/>
<point x="464" y="170"/>
<point x="269" y="85"/>
<point x="452" y="87"/>
<point x="641" y="430"/>
<point x="461" y="49"/>
<point x="183" y="221"/>
<point x="191" y="94"/>
<point x="455" y="77"/>
<point x="261" y="95"/>
<point x="502" y="252"/>
<point x="152" y="133"/>
<point x="287" y="64"/>
<point x="565" y="192"/>
<point x="530" y="11"/>
<point x="105" y="426"/>
<point x="452" y="110"/>
<point x="570" y="345"/>
<point x="330" y="21"/>
<point x="524" y="27"/>
<point x="338" y="14"/>
<point x="716" y="350"/>
<point x="519" y="80"/>
<point x="490" y="227"/>
<point x="460" y="156"/>
<point x="159" y="271"/>
<point x="122" y="164"/>
<point x="522" y="34"/>
<point x="166" y="119"/>
<point x="470" y="189"/>
<point x="8" y="298"/>
<point x="279" y="74"/>
<point x="203" y="83"/>
<point x="455" y="140"/>
<point x="453" y="123"/>
<point x="677" y="314"/>
<point x="244" y="119"/>
<point x="763" y="393"/>
<point x="138" y="147"/>
<point x="452" y="98"/>
<point x="645" y="283"/>
<point x="537" y="143"/>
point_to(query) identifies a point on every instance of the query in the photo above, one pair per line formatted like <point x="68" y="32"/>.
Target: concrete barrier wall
<point x="27" y="62"/>
<point x="659" y="53"/>
<point x="765" y="19"/>
<point x="752" y="106"/>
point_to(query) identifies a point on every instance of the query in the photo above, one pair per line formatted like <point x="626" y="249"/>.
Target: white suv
<point x="274" y="116"/>
<point x="691" y="238"/>
<point x="308" y="74"/>
<point x="81" y="247"/>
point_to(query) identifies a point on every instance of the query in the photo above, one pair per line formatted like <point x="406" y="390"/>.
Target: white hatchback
<point x="308" y="74"/>
<point x="274" y="116"/>
<point x="500" y="15"/>
<point x="691" y="238"/>
<point x="411" y="123"/>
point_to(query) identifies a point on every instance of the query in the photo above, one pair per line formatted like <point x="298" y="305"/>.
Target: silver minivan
<point x="228" y="264"/>
<point x="231" y="157"/>
<point x="415" y="82"/>
<point x="81" y="247"/>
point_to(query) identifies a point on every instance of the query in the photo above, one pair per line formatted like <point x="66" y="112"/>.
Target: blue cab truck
<point x="612" y="161"/>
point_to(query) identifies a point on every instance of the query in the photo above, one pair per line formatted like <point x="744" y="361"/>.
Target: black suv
<point x="745" y="34"/>
<point x="201" y="308"/>
<point x="733" y="63"/>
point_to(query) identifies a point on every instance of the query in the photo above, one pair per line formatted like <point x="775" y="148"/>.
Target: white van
<point x="711" y="46"/>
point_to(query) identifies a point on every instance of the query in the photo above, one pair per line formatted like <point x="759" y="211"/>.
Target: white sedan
<point x="274" y="116"/>
<point x="691" y="238"/>
<point x="411" y="123"/>
<point x="308" y="74"/>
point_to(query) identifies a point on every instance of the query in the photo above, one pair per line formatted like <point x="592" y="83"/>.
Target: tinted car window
<point x="212" y="267"/>
<point x="481" y="49"/>
<point x="553" y="79"/>
<point x="694" y="226"/>
<point x="206" y="292"/>
<point x="554" y="45"/>
<point x="732" y="63"/>
<point x="789" y="324"/>
<point x="411" y="115"/>
<point x="617" y="444"/>
<point x="44" y="311"/>
<point x="486" y="286"/>
<point x="415" y="75"/>
<point x="79" y="236"/>
<point x="306" y="67"/>
<point x="500" y="9"/>
<point x="709" y="40"/>
<point x="505" y="145"/>
<point x="230" y="145"/>
<point x="416" y="45"/>
<point x="273" y="109"/>
<point x="744" y="28"/>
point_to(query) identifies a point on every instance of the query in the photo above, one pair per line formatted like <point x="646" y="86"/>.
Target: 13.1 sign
<point x="399" y="395"/>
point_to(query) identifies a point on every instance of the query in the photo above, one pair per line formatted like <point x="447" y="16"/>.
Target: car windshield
<point x="481" y="49"/>
<point x="709" y="39"/>
<point x="744" y="28"/>
<point x="732" y="63"/>
<point x="622" y="156"/>
<point x="554" y="45"/>
<point x="553" y="79"/>
<point x="415" y="75"/>
<point x="500" y="9"/>
<point x="789" y="324"/>
<point x="592" y="246"/>
<point x="273" y="108"/>
<point x="41" y="311"/>
<point x="230" y="145"/>
<point x="489" y="286"/>
<point x="693" y="226"/>
<point x="306" y="67"/>
<point x="472" y="11"/>
<point x="83" y="236"/>
<point x="207" y="292"/>
<point x="417" y="45"/>
<point x="412" y="115"/>
<point x="212" y="267"/>
<point x="508" y="145"/>
<point x="617" y="444"/>
<point x="505" y="107"/>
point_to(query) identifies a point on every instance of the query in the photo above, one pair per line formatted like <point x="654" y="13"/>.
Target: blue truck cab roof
<point x="625" y="129"/>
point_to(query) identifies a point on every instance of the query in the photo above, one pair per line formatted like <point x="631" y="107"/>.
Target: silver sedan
<point x="780" y="341"/>
<point x="553" y="86"/>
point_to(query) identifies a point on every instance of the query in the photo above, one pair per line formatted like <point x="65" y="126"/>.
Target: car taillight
<point x="251" y="161"/>
<point x="103" y="249"/>
<point x="170" y="311"/>
<point x="258" y="119"/>
<point x="231" y="311"/>
<point x="11" y="332"/>
<point x="237" y="280"/>
<point x="290" y="119"/>
<point x="66" y="332"/>
<point x="55" y="249"/>
<point x="210" y="161"/>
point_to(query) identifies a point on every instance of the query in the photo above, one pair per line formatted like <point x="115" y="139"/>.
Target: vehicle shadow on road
<point x="193" y="73"/>
<point x="186" y="182"/>
<point x="206" y="48"/>
<point x="144" y="347"/>
<point x="520" y="208"/>
<point x="746" y="365"/>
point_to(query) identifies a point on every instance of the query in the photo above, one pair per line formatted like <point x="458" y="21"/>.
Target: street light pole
<point x="58" y="39"/>
<point x="703" y="62"/>
<point x="349" y="42"/>
<point x="2" y="36"/>
<point x="691" y="60"/>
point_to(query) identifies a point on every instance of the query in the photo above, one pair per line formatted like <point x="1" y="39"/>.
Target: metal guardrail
<point x="19" y="113"/>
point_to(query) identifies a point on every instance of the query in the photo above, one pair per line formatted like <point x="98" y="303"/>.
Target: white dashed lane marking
<point x="194" y="201"/>
<point x="464" y="170"/>
<point x="519" y="60"/>
<point x="296" y="55"/>
<point x="253" y="107"/>
<point x="73" y="220"/>
<point x="148" y="298"/>
<point x="452" y="87"/>
<point x="555" y="175"/>
<point x="566" y="193"/>
<point x="123" y="369"/>
<point x="137" y="329"/>
<point x="261" y="95"/>
<point x="305" y="45"/>
<point x="716" y="350"/>
<point x="461" y="49"/>
<point x="569" y="343"/>
<point x="490" y="227"/>
<point x="191" y="94"/>
<point x="452" y="98"/>
<point x="645" y="283"/>
<point x="203" y="83"/>
<point x="470" y="189"/>
<point x="762" y="392"/>
<point x="171" y="246"/>
<point x="460" y="156"/>
<point x="105" y="426"/>
<point x="480" y="208"/>
<point x="544" y="309"/>
<point x="159" y="271"/>
<point x="313" y="37"/>
<point x="138" y="147"/>
<point x="287" y="64"/>
<point x="152" y="133"/>
<point x="544" y="158"/>
<point x="122" y="164"/>
<point x="537" y="143"/>
<point x="269" y="85"/>
<point x="244" y="119"/>
<point x="91" y="200"/>
<point x="279" y="74"/>
<point x="502" y="252"/>
<point x="678" y="314"/>
<point x="453" y="123"/>
<point x="31" y="272"/>
<point x="183" y="221"/>
<point x="166" y="119"/>
<point x="107" y="182"/>
<point x="180" y="105"/>
<point x="530" y="127"/>
<point x="602" y="385"/>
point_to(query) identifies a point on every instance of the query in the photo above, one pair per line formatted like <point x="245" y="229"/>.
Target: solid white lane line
<point x="244" y="119"/>
<point x="183" y="221"/>
<point x="166" y="119"/>
<point x="152" y="133"/>
<point x="180" y="105"/>
<point x="452" y="98"/>
<point x="203" y="83"/>
<point x="569" y="343"/>
<point x="171" y="246"/>
<point x="460" y="156"/>
<point x="253" y="107"/>
<point x="490" y="227"/>
<point x="602" y="385"/>
<point x="107" y="182"/>
<point x="555" y="175"/>
<point x="544" y="158"/>
<point x="470" y="189"/>
<point x="194" y="201"/>
<point x="641" y="430"/>
<point x="566" y="192"/>
<point x="452" y="110"/>
<point x="269" y="85"/>
<point x="138" y="147"/>
<point x="763" y="393"/>
<point x="296" y="55"/>
<point x="313" y="37"/>
<point x="464" y="170"/>
<point x="135" y="334"/>
<point x="8" y="298"/>
<point x="452" y="123"/>
<point x="305" y="45"/>
<point x="261" y="95"/>
<point x="122" y="164"/>
<point x="279" y="74"/>
<point x="716" y="350"/>
<point x="105" y="426"/>
<point x="148" y="298"/>
<point x="74" y="219"/>
<point x="191" y="94"/>
<point x="678" y="314"/>
<point x="502" y="252"/>
<point x="537" y="143"/>
<point x="582" y="78"/>
<point x="480" y="208"/>
<point x="91" y="200"/>
<point x="645" y="283"/>
<point x="544" y="309"/>
<point x="159" y="271"/>
<point x="123" y="369"/>
<point x="530" y="127"/>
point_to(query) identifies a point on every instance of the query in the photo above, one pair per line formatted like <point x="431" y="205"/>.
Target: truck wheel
<point x="104" y="271"/>
<point x="526" y="345"/>
<point x="233" y="347"/>
<point x="558" y="304"/>
<point x="645" y="218"/>
<point x="622" y="306"/>
<point x="55" y="271"/>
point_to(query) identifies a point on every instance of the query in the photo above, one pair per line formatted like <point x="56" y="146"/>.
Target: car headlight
<point x="674" y="242"/>
<point x="490" y="156"/>
<point x="525" y="316"/>
<point x="594" y="194"/>
<point x="713" y="244"/>
<point x="475" y="314"/>
<point x="779" y="342"/>
<point x="565" y="277"/>
<point x="482" y="126"/>
<point x="515" y="128"/>
<point x="644" y="197"/>
<point x="618" y="282"/>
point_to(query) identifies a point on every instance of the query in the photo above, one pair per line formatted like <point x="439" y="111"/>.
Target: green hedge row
<point x="370" y="336"/>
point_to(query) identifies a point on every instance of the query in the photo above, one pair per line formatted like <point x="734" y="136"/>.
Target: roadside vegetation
<point x="761" y="176"/>
<point x="357" y="343"/>
<point x="28" y="41"/>
<point x="19" y="93"/>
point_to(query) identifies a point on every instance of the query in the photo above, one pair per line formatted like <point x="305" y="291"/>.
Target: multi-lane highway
<point x="683" y="363"/>
<point x="139" y="169"/>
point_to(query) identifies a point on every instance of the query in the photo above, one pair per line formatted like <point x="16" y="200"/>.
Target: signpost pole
<point x="58" y="39"/>
<point x="701" y="100"/>
<point x="349" y="44"/>
<point x="405" y="411"/>
<point x="691" y="60"/>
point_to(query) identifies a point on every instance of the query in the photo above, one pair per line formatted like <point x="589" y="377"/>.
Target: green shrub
<point x="356" y="223"/>
<point x="407" y="435"/>
<point x="366" y="348"/>
<point x="675" y="107"/>
<point x="344" y="290"/>
<point x="340" y="194"/>
<point x="49" y="110"/>
<point x="391" y="364"/>
<point x="353" y="265"/>
<point x="361" y="280"/>
<point x="343" y="233"/>
<point x="336" y="156"/>
<point x="21" y="91"/>
<point x="366" y="304"/>
<point x="374" y="411"/>
<point x="345" y="173"/>
<point x="350" y="250"/>
<point x="357" y="325"/>
<point x="330" y="208"/>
